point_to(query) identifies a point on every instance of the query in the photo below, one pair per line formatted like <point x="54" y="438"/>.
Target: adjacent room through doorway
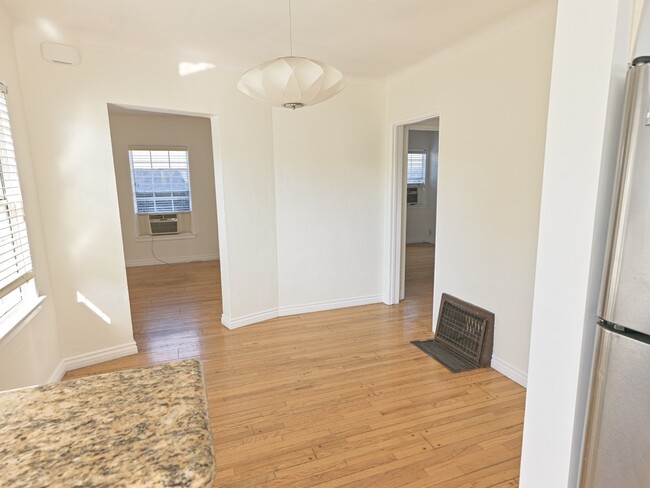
<point x="164" y="173"/>
<point x="421" y="187"/>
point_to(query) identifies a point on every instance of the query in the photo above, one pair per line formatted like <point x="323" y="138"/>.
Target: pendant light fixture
<point x="291" y="81"/>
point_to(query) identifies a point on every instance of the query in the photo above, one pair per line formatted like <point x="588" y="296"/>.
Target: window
<point x="416" y="168"/>
<point x="161" y="180"/>
<point x="16" y="276"/>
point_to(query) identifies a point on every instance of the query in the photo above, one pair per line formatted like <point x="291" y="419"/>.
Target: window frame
<point x="20" y="292"/>
<point x="425" y="164"/>
<point x="152" y="148"/>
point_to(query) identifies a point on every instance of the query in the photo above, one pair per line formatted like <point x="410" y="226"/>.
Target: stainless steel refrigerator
<point x="616" y="448"/>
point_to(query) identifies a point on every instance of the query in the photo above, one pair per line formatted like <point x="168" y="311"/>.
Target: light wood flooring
<point x="330" y="399"/>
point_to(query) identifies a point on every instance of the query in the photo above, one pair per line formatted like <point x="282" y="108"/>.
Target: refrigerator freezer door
<point x="617" y="438"/>
<point x="625" y="294"/>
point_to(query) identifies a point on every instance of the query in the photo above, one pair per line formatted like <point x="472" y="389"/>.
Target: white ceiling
<point x="370" y="38"/>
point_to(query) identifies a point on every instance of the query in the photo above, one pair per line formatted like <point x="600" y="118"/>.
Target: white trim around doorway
<point x="396" y="225"/>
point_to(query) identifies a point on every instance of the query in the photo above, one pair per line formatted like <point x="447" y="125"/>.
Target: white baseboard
<point x="253" y="318"/>
<point x="328" y="305"/>
<point x="249" y="319"/>
<point x="173" y="260"/>
<point x="58" y="373"/>
<point x="510" y="371"/>
<point x="420" y="240"/>
<point x="415" y="240"/>
<point x="95" y="357"/>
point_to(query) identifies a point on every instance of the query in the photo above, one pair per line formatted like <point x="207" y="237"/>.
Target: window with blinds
<point x="16" y="276"/>
<point x="161" y="180"/>
<point x="416" y="168"/>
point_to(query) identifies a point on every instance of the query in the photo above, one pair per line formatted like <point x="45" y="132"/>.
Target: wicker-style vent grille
<point x="466" y="330"/>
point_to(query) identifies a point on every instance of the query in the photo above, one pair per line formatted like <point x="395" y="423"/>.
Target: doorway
<point x="413" y="212"/>
<point x="164" y="172"/>
<point x="421" y="187"/>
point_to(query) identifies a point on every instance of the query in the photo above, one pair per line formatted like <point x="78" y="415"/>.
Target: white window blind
<point x="416" y="168"/>
<point x="15" y="259"/>
<point x="160" y="180"/>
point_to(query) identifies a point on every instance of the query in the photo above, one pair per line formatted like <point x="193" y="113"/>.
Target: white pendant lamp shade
<point x="292" y="82"/>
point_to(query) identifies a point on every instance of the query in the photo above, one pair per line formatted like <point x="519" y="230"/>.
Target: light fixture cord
<point x="290" y="32"/>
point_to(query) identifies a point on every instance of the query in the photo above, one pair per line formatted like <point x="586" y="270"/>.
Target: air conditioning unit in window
<point x="163" y="224"/>
<point x="414" y="195"/>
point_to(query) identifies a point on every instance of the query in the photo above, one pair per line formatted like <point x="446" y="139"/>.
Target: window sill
<point x="16" y="319"/>
<point x="169" y="237"/>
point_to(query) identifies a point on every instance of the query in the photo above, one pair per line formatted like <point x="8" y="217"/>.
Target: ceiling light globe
<point x="291" y="82"/>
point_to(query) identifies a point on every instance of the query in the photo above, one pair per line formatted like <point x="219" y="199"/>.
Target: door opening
<point x="164" y="170"/>
<point x="413" y="212"/>
<point x="421" y="196"/>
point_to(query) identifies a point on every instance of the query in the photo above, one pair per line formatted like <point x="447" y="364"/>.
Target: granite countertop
<point x="145" y="427"/>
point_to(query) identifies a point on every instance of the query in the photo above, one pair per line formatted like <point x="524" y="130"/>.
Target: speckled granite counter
<point x="143" y="427"/>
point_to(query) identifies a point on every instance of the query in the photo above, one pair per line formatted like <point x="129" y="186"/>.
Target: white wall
<point x="589" y="66"/>
<point x="492" y="99"/>
<point x="327" y="252"/>
<point x="421" y="219"/>
<point x="73" y="158"/>
<point x="329" y="162"/>
<point x="344" y="139"/>
<point x="31" y="356"/>
<point x="148" y="129"/>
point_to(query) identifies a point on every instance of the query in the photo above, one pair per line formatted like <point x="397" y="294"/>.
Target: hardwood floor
<point x="330" y="399"/>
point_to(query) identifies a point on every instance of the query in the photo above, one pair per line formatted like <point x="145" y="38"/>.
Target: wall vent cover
<point x="467" y="330"/>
